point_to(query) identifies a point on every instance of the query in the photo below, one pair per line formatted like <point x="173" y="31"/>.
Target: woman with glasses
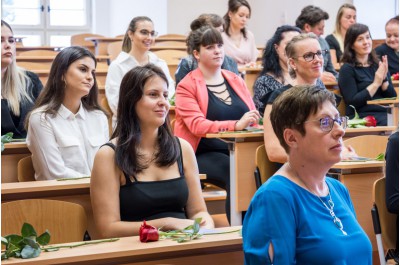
<point x="363" y="77"/>
<point x="346" y="16"/>
<point x="138" y="39"/>
<point x="301" y="216"/>
<point x="239" y="41"/>
<point x="210" y="100"/>
<point x="189" y="63"/>
<point x="19" y="87"/>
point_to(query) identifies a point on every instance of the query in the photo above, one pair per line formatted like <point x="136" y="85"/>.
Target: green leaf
<point x="196" y="225"/>
<point x="356" y="116"/>
<point x="29" y="252"/>
<point x="28" y="230"/>
<point x="51" y="249"/>
<point x="44" y="238"/>
<point x="3" y="256"/>
<point x="380" y="157"/>
<point x="31" y="241"/>
<point x="4" y="241"/>
<point x="14" y="239"/>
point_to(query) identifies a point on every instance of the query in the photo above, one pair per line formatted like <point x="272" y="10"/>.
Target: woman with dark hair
<point x="239" y="41"/>
<point x="274" y="73"/>
<point x="301" y="216"/>
<point x="19" y="87"/>
<point x="391" y="47"/>
<point x="209" y="100"/>
<point x="363" y="77"/>
<point x="189" y="63"/>
<point x="144" y="172"/>
<point x="138" y="39"/>
<point x="346" y="16"/>
<point x="67" y="125"/>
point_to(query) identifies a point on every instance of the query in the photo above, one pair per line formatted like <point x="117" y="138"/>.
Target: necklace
<point x="336" y="219"/>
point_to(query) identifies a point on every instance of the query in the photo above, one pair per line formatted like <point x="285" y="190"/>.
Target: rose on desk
<point x="357" y="122"/>
<point x="395" y="76"/>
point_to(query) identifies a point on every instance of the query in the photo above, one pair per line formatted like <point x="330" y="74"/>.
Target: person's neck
<point x="343" y="33"/>
<point x="304" y="81"/>
<point x="285" y="73"/>
<point x="362" y="59"/>
<point x="211" y="76"/>
<point x="148" y="141"/>
<point x="234" y="31"/>
<point x="72" y="103"/>
<point x="142" y="57"/>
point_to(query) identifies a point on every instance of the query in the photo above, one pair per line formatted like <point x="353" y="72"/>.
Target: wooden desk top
<point x="383" y="102"/>
<point x="371" y="129"/>
<point x="130" y="250"/>
<point x="358" y="164"/>
<point x="104" y="39"/>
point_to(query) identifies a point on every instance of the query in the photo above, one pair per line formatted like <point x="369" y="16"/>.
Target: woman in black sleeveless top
<point x="144" y="172"/>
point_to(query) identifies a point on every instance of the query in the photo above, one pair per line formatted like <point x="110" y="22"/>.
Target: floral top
<point x="263" y="85"/>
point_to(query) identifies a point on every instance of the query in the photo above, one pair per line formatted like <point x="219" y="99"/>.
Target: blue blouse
<point x="300" y="227"/>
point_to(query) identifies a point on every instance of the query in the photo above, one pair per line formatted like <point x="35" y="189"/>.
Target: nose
<point x="337" y="130"/>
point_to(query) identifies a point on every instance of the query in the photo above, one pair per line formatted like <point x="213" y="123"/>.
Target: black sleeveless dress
<point x="142" y="200"/>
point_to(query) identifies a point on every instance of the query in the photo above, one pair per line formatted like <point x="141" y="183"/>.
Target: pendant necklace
<point x="336" y="219"/>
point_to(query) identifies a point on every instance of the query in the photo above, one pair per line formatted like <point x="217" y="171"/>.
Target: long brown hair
<point x="233" y="6"/>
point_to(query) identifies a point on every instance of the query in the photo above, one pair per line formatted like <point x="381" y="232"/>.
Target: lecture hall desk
<point x="242" y="147"/>
<point x="210" y="249"/>
<point x="392" y="106"/>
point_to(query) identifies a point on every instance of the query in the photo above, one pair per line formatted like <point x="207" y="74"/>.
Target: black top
<point x="220" y="111"/>
<point x="353" y="81"/>
<point x="393" y="57"/>
<point x="392" y="173"/>
<point x="334" y="45"/>
<point x="189" y="63"/>
<point x="15" y="124"/>
<point x="149" y="200"/>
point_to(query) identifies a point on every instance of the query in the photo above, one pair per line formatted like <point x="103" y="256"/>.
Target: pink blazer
<point x="191" y="102"/>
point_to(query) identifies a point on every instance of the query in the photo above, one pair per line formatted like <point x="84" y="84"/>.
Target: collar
<point x="67" y="114"/>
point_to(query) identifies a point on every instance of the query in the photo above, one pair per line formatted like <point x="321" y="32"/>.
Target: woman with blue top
<point x="300" y="216"/>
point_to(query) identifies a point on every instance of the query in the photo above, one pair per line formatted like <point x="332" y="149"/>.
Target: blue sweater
<point x="300" y="227"/>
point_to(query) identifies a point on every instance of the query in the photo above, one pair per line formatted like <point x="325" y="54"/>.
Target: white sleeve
<point x="113" y="82"/>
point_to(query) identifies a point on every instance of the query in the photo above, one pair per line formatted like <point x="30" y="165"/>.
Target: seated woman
<point x="67" y="125"/>
<point x="19" y="88"/>
<point x="391" y="47"/>
<point x="274" y="73"/>
<point x="138" y="39"/>
<point x="346" y="16"/>
<point x="305" y="61"/>
<point x="209" y="100"/>
<point x="363" y="77"/>
<point x="239" y="41"/>
<point x="144" y="172"/>
<point x="300" y="216"/>
<point x="189" y="63"/>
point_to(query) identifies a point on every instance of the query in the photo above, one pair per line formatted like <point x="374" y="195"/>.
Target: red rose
<point x="148" y="233"/>
<point x="370" y="121"/>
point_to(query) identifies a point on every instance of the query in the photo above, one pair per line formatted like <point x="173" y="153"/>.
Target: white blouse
<point x="64" y="146"/>
<point x="119" y="67"/>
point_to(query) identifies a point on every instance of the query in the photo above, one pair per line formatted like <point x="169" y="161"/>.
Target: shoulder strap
<point x="127" y="178"/>
<point x="110" y="144"/>
<point x="180" y="159"/>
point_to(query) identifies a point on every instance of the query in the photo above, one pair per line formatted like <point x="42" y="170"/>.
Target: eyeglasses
<point x="326" y="123"/>
<point x="309" y="56"/>
<point x="146" y="33"/>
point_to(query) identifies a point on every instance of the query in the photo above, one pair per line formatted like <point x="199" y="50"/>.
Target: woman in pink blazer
<point x="210" y="100"/>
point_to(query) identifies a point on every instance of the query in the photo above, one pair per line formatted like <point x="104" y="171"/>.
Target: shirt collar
<point x="67" y="114"/>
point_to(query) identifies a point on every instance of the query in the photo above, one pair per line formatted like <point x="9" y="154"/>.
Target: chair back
<point x="66" y="221"/>
<point x="32" y="66"/>
<point x="368" y="145"/>
<point x="176" y="37"/>
<point x="387" y="220"/>
<point x="79" y="40"/>
<point x="26" y="172"/>
<point x="171" y="56"/>
<point x="106" y="107"/>
<point x="264" y="167"/>
<point x="171" y="43"/>
<point x="114" y="49"/>
<point x="342" y="106"/>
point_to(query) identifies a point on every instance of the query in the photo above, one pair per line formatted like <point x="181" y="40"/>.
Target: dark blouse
<point x="393" y="57"/>
<point x="15" y="124"/>
<point x="334" y="45"/>
<point x="149" y="200"/>
<point x="353" y="81"/>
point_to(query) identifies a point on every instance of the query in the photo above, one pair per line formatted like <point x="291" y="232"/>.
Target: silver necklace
<point x="336" y="220"/>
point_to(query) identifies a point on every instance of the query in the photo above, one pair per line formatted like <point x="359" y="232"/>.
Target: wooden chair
<point x="172" y="58"/>
<point x="38" y="53"/>
<point x="35" y="66"/>
<point x="113" y="49"/>
<point x="26" y="171"/>
<point x="106" y="107"/>
<point x="264" y="168"/>
<point x="66" y="221"/>
<point x="385" y="223"/>
<point x="342" y="106"/>
<point x="170" y="43"/>
<point x="79" y="40"/>
<point x="178" y="37"/>
<point x="368" y="145"/>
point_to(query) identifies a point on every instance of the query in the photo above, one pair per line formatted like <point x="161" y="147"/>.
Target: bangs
<point x="211" y="36"/>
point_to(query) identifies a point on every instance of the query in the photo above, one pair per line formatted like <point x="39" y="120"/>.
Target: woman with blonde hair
<point x="345" y="17"/>
<point x="19" y="87"/>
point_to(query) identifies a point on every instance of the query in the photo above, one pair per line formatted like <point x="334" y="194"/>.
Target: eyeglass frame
<point x="341" y="120"/>
<point x="145" y="33"/>
<point x="320" y="56"/>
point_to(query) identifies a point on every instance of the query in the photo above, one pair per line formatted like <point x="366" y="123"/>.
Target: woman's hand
<point x="179" y="224"/>
<point x="348" y="152"/>
<point x="248" y="119"/>
<point x="381" y="72"/>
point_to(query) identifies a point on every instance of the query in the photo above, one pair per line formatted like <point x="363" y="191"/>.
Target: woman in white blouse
<point x="67" y="125"/>
<point x="239" y="42"/>
<point x="138" y="39"/>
